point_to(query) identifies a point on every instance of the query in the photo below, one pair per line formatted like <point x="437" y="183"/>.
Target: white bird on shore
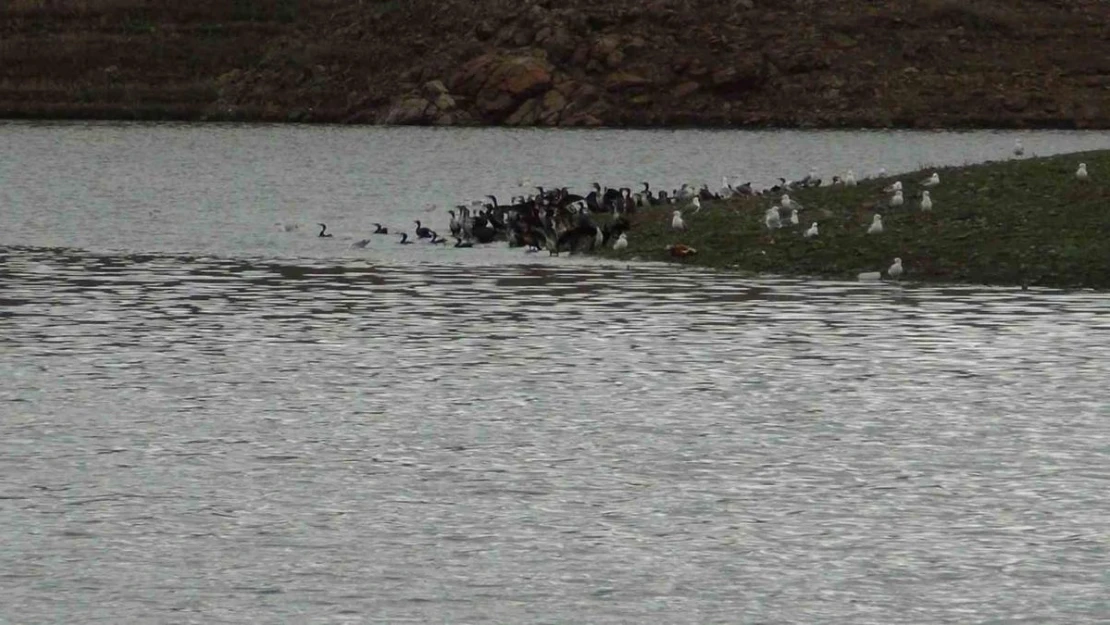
<point x="931" y="181"/>
<point x="726" y="188"/>
<point x="676" y="222"/>
<point x="876" y="225"/>
<point x="599" y="237"/>
<point x="1019" y="149"/>
<point x="793" y="216"/>
<point x="882" y="171"/>
<point x="622" y="242"/>
<point x="849" y="179"/>
<point x="926" y="201"/>
<point x="696" y="203"/>
<point x="772" y="219"/>
<point x="811" y="232"/>
<point x="895" y="270"/>
<point x="789" y="202"/>
<point x="894" y="188"/>
<point x="898" y="198"/>
<point x="1081" y="173"/>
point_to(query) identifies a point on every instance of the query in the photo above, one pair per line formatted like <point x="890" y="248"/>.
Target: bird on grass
<point x="876" y="225"/>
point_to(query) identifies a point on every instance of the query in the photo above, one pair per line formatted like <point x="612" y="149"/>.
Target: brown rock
<point x="605" y="46"/>
<point x="553" y="102"/>
<point x="523" y="76"/>
<point x="497" y="105"/>
<point x="473" y="75"/>
<point x="411" y="110"/>
<point x="686" y="89"/>
<point x="433" y="88"/>
<point x="445" y="102"/>
<point x="620" y="81"/>
<point x="526" y="115"/>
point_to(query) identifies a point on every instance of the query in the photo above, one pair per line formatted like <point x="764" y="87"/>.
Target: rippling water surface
<point x="244" y="424"/>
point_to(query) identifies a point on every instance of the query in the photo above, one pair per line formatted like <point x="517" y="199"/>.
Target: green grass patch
<point x="1026" y="222"/>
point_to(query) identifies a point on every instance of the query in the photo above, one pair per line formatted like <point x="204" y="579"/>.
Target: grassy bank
<point x="1027" y="222"/>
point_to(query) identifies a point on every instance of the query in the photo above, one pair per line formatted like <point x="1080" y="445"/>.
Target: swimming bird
<point x="931" y="181"/>
<point x="622" y="242"/>
<point x="811" y="232"/>
<point x="876" y="225"/>
<point x="378" y="229"/>
<point x="1018" y="148"/>
<point x="323" y="231"/>
<point x="895" y="270"/>
<point x="436" y="240"/>
<point x="677" y="222"/>
<point x="1081" y="173"/>
<point x="460" y="243"/>
<point x="678" y="250"/>
<point x="405" y="239"/>
<point x="898" y="198"/>
<point x="926" y="201"/>
<point x="422" y="232"/>
<point x="360" y="244"/>
<point x="849" y="179"/>
<point x="290" y="227"/>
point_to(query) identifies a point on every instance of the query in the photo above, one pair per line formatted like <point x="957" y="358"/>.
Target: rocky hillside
<point x="918" y="63"/>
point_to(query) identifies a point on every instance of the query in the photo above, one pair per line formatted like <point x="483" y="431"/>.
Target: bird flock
<point x="557" y="220"/>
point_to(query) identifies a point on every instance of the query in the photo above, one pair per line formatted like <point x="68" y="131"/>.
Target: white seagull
<point x="895" y="270"/>
<point x="876" y="225"/>
<point x="931" y="181"/>
<point x="898" y="198"/>
<point x="788" y="202"/>
<point x="676" y="222"/>
<point x="1019" y="149"/>
<point x="812" y="232"/>
<point x="1081" y="173"/>
<point x="926" y="201"/>
<point x="849" y="179"/>
<point x="696" y="203"/>
<point x="793" y="216"/>
<point x="622" y="242"/>
<point x="772" y="219"/>
<point x="894" y="188"/>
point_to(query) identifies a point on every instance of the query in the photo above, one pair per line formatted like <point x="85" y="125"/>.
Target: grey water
<point x="208" y="414"/>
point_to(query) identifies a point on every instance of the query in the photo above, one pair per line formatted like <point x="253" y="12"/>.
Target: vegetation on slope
<point x="1024" y="222"/>
<point x="569" y="63"/>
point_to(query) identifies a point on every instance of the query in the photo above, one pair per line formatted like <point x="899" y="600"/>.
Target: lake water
<point x="206" y="418"/>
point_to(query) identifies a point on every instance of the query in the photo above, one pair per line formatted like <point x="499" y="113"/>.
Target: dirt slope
<point x="924" y="63"/>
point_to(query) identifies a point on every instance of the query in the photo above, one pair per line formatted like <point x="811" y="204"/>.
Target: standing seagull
<point x="926" y="201"/>
<point x="622" y="242"/>
<point x="849" y="179"/>
<point x="1081" y="173"/>
<point x="676" y="222"/>
<point x="898" y="199"/>
<point x="812" y="232"/>
<point x="876" y="225"/>
<point x="696" y="203"/>
<point x="895" y="270"/>
<point x="1019" y="149"/>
